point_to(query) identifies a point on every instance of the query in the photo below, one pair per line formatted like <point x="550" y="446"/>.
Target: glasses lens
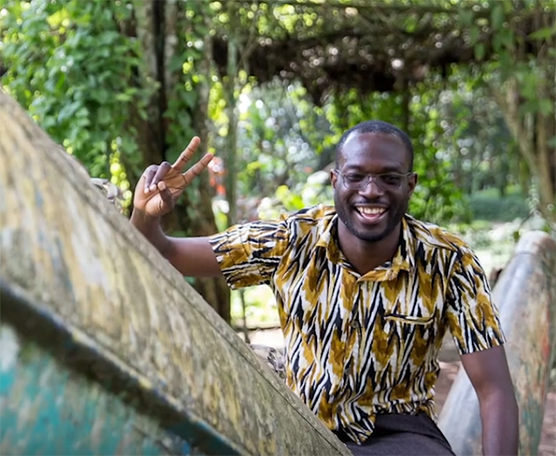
<point x="387" y="181"/>
<point x="355" y="181"/>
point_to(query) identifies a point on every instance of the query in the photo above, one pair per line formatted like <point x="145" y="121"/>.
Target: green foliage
<point x="77" y="68"/>
<point x="436" y="198"/>
<point x="183" y="96"/>
<point x="489" y="206"/>
<point x="70" y="66"/>
<point x="261" y="306"/>
<point x="122" y="83"/>
<point x="282" y="140"/>
<point x="457" y="132"/>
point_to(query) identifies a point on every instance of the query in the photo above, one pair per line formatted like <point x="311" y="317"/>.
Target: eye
<point x="391" y="179"/>
<point x="354" y="177"/>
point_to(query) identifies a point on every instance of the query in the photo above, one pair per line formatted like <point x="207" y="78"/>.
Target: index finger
<point x="197" y="168"/>
<point x="186" y="155"/>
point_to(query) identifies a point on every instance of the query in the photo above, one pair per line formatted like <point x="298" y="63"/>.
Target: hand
<point x="161" y="185"/>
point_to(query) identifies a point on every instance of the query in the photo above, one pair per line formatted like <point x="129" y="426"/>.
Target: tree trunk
<point x="502" y="177"/>
<point x="231" y="138"/>
<point x="215" y="291"/>
<point x="229" y="88"/>
<point x="156" y="28"/>
<point x="531" y="135"/>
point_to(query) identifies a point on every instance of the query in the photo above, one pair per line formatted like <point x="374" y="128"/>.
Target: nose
<point x="372" y="189"/>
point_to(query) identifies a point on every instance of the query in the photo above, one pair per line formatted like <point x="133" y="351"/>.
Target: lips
<point x="370" y="213"/>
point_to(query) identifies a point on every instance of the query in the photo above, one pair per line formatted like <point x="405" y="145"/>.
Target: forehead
<point x="374" y="152"/>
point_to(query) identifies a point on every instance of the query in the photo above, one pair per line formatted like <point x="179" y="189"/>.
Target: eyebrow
<point x="387" y="169"/>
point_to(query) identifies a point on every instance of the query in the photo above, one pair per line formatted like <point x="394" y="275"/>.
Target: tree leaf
<point x="479" y="51"/>
<point x="497" y="16"/>
<point x="466" y="17"/>
<point x="474" y="34"/>
<point x="543" y="33"/>
<point x="552" y="142"/>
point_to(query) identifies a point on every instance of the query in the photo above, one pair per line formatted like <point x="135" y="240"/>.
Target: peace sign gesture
<point x="161" y="185"/>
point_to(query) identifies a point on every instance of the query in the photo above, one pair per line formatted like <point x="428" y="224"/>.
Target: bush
<point x="487" y="205"/>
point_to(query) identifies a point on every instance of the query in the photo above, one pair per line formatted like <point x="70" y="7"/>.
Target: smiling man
<point x="365" y="294"/>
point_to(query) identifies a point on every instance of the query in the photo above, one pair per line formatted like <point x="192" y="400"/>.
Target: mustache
<point x="370" y="201"/>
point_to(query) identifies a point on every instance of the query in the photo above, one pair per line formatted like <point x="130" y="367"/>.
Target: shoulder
<point x="310" y="220"/>
<point x="307" y="226"/>
<point x="312" y="216"/>
<point x="429" y="236"/>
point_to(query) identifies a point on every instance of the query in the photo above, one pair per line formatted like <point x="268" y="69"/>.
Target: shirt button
<point x="354" y="324"/>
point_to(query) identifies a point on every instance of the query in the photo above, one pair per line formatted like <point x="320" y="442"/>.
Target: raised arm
<point x="156" y="193"/>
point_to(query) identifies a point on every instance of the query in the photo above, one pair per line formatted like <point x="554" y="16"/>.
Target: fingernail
<point x="146" y="189"/>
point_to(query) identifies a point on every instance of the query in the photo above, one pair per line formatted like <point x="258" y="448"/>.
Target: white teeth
<point x="371" y="210"/>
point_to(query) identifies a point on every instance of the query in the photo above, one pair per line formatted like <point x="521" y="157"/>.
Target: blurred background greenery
<point x="270" y="85"/>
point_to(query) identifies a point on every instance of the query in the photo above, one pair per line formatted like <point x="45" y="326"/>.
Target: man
<point x="365" y="294"/>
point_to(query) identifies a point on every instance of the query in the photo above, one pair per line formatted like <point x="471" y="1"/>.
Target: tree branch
<point x="170" y="44"/>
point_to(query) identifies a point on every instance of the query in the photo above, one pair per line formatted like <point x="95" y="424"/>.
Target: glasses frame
<point x="372" y="177"/>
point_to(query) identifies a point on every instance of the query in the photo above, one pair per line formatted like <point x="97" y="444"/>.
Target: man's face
<point x="372" y="212"/>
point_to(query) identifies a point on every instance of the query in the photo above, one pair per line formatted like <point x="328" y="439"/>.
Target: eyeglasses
<point x="386" y="181"/>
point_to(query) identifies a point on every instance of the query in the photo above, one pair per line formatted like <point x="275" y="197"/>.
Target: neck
<point x="365" y="256"/>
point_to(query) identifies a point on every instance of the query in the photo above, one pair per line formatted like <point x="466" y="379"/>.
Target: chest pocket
<point x="409" y="325"/>
<point x="410" y="307"/>
<point x="409" y="319"/>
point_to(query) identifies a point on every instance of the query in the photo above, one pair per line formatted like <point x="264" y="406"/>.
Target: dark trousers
<point x="404" y="435"/>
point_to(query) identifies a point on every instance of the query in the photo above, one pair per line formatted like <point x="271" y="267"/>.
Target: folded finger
<point x="164" y="192"/>
<point x="161" y="173"/>
<point x="148" y="176"/>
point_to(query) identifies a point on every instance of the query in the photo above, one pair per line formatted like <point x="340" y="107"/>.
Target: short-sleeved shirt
<point x="360" y="345"/>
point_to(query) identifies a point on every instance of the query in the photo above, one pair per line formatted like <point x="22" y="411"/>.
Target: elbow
<point x="502" y="399"/>
<point x="167" y="249"/>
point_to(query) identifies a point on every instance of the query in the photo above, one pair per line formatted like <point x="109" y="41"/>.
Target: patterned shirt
<point x="355" y="345"/>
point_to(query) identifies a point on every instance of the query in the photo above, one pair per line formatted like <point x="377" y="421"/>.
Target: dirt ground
<point x="450" y="366"/>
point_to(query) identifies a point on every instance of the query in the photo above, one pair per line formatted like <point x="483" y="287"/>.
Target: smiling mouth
<point x="370" y="213"/>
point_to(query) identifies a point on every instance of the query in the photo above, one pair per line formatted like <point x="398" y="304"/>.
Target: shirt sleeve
<point x="473" y="318"/>
<point x="249" y="254"/>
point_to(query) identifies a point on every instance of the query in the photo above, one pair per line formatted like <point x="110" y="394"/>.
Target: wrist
<point x="141" y="218"/>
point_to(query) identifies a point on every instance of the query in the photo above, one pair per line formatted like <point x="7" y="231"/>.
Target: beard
<point x="394" y="216"/>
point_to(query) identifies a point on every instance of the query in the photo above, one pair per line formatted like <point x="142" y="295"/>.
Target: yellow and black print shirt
<point x="359" y="345"/>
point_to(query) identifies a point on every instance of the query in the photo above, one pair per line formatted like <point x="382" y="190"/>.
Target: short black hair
<point x="376" y="126"/>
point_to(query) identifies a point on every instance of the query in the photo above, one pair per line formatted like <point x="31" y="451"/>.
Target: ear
<point x="412" y="183"/>
<point x="333" y="178"/>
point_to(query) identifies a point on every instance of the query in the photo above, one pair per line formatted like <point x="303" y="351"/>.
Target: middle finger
<point x="186" y="155"/>
<point x="160" y="173"/>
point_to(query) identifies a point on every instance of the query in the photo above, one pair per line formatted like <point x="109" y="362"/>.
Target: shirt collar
<point x="327" y="240"/>
<point x="404" y="259"/>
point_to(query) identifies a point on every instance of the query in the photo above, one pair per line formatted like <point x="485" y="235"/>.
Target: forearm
<point x="500" y="419"/>
<point x="151" y="229"/>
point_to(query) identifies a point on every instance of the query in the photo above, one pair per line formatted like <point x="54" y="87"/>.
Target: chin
<point x="372" y="237"/>
<point x="366" y="234"/>
<point x="374" y="234"/>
